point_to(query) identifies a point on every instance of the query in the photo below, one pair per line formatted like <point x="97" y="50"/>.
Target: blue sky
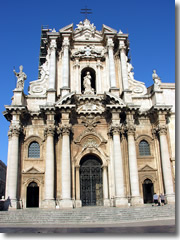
<point x="150" y="24"/>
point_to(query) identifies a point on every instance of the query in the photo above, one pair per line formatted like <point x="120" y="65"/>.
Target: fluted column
<point x="133" y="169"/>
<point x="98" y="81"/>
<point x="77" y="78"/>
<point x="112" y="74"/>
<point x="78" y="201"/>
<point x="124" y="65"/>
<point x="49" y="172"/>
<point x="52" y="67"/>
<point x="105" y="187"/>
<point x="12" y="168"/>
<point x="65" y="67"/>
<point x="166" y="165"/>
<point x="120" y="198"/>
<point x="66" y="201"/>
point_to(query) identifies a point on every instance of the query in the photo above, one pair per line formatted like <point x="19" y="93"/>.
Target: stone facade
<point x="88" y="133"/>
<point x="2" y="179"/>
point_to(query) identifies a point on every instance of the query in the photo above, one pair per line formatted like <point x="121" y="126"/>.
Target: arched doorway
<point x="93" y="78"/>
<point x="91" y="189"/>
<point x="32" y="195"/>
<point x="148" y="191"/>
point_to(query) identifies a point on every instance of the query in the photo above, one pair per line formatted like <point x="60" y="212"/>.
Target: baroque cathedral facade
<point x="87" y="133"/>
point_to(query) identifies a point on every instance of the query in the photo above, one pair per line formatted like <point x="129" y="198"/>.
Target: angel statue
<point x="21" y="76"/>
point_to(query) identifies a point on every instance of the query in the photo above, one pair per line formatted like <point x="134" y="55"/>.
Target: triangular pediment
<point x="113" y="99"/>
<point x="32" y="170"/>
<point x="68" y="28"/>
<point x="147" y="168"/>
<point x="106" y="29"/>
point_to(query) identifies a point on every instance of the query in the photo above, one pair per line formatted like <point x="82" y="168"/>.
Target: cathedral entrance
<point x="32" y="195"/>
<point x="91" y="181"/>
<point x="148" y="191"/>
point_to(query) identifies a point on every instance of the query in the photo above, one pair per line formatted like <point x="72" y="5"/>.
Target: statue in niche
<point x="87" y="84"/>
<point x="21" y="77"/>
<point x="157" y="81"/>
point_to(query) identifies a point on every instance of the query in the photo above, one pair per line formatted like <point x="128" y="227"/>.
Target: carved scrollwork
<point x="49" y="131"/>
<point x="131" y="129"/>
<point x="162" y="129"/>
<point x="66" y="129"/>
<point x="14" y="130"/>
<point x="115" y="129"/>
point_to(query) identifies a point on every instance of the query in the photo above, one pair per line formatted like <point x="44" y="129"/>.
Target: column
<point x="77" y="79"/>
<point x="65" y="70"/>
<point x="134" y="180"/>
<point x="51" y="92"/>
<point x="66" y="201"/>
<point x="112" y="75"/>
<point x="12" y="168"/>
<point x="49" y="201"/>
<point x="78" y="201"/>
<point x="98" y="81"/>
<point x="124" y="65"/>
<point x="52" y="67"/>
<point x="105" y="187"/>
<point x="120" y="198"/>
<point x="166" y="165"/>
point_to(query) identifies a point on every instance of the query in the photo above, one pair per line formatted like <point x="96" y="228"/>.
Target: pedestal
<point x="121" y="202"/>
<point x="66" y="203"/>
<point x="64" y="91"/>
<point x="107" y="203"/>
<point x="78" y="203"/>
<point x="170" y="198"/>
<point x="114" y="91"/>
<point x="135" y="201"/>
<point x="49" y="203"/>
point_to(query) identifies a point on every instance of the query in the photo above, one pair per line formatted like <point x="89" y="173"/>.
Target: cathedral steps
<point x="87" y="215"/>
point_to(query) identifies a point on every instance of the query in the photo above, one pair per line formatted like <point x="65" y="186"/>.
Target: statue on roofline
<point x="157" y="81"/>
<point x="21" y="77"/>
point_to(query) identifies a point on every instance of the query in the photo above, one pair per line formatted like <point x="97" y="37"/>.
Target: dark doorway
<point x="148" y="191"/>
<point x="91" y="181"/>
<point x="93" y="78"/>
<point x="32" y="195"/>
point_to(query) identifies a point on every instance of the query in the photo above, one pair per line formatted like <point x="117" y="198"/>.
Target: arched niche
<point x="93" y="78"/>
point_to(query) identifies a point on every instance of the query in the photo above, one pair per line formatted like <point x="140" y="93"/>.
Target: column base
<point x="48" y="203"/>
<point x="78" y="203"/>
<point x="120" y="202"/>
<point x="135" y="201"/>
<point x="114" y="90"/>
<point x="126" y="95"/>
<point x="66" y="203"/>
<point x="64" y="91"/>
<point x="107" y="203"/>
<point x="10" y="204"/>
<point x="170" y="198"/>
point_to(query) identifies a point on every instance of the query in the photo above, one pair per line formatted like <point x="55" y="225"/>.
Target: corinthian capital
<point x="131" y="129"/>
<point x="66" y="129"/>
<point x="14" y="130"/>
<point x="53" y="44"/>
<point x="115" y="129"/>
<point x="162" y="129"/>
<point x="49" y="131"/>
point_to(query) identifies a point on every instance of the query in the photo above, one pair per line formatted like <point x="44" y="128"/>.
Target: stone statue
<point x="87" y="84"/>
<point x="21" y="76"/>
<point x="157" y="81"/>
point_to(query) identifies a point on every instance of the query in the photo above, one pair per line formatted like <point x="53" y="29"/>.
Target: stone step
<point x="86" y="215"/>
